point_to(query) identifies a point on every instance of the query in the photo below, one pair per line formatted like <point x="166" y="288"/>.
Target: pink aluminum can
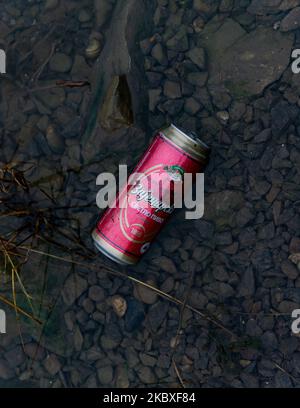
<point x="124" y="233"/>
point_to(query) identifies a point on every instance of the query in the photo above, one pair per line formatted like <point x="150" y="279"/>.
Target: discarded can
<point x="125" y="232"/>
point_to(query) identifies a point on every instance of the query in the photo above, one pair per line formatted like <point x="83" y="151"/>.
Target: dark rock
<point x="197" y="78"/>
<point x="206" y="7"/>
<point x="60" y="63"/>
<point x="159" y="54"/>
<point x="154" y="78"/>
<point x="261" y="7"/>
<point x="179" y="42"/>
<point x="96" y="293"/>
<point x="197" y="56"/>
<point x="74" y="286"/>
<point x="148" y="360"/>
<point x="15" y="356"/>
<point x="157" y="314"/>
<point x="146" y="376"/>
<point x="165" y="263"/>
<point x="296" y="362"/>
<point x="220" y="206"/>
<point x="173" y="107"/>
<point x="134" y="316"/>
<point x="112" y="337"/>
<point x="247" y="284"/>
<point x="269" y="341"/>
<point x="197" y="299"/>
<point x="52" y="364"/>
<point x="171" y="244"/>
<point x="294" y="246"/>
<point x="154" y="97"/>
<point x="34" y="351"/>
<point x="282" y="115"/>
<point x="291" y="21"/>
<point x="263" y="136"/>
<point x="244" y="216"/>
<point x="282" y="380"/>
<point x="242" y="54"/>
<point x="6" y="373"/>
<point x="201" y="253"/>
<point x="252" y="328"/>
<point x="205" y="229"/>
<point x="105" y="375"/>
<point x="224" y="238"/>
<point x="122" y="380"/>
<point x="289" y="269"/>
<point x="191" y="106"/>
<point x="172" y="90"/>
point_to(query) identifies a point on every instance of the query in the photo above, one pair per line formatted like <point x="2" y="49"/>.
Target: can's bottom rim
<point x="104" y="247"/>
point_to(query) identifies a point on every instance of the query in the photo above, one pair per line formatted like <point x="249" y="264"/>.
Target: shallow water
<point x="231" y="267"/>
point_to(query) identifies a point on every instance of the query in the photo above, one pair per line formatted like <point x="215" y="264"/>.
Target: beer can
<point x="127" y="228"/>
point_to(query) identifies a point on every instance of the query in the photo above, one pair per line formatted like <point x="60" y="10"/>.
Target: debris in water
<point x="116" y="111"/>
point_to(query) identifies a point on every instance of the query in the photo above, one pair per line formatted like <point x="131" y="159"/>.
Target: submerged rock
<point x="244" y="64"/>
<point x="134" y="316"/>
<point x="291" y="21"/>
<point x="116" y="111"/>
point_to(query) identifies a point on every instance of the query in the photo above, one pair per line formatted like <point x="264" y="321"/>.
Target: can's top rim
<point x="188" y="141"/>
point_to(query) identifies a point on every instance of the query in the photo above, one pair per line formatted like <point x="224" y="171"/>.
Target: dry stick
<point x="286" y="372"/>
<point x="38" y="73"/>
<point x="21" y="311"/>
<point x="180" y="325"/>
<point x="122" y="274"/>
<point x="178" y="373"/>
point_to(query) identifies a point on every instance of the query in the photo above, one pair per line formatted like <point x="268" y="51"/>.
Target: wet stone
<point x="282" y="115"/>
<point x="15" y="356"/>
<point x="294" y="246"/>
<point x="122" y="380"/>
<point x="51" y="4"/>
<point x="60" y="63"/>
<point x="6" y="373"/>
<point x="269" y="341"/>
<point x="179" y="42"/>
<point x="96" y="293"/>
<point x="105" y="375"/>
<point x="74" y="286"/>
<point x="145" y="294"/>
<point x="157" y="314"/>
<point x="291" y="21"/>
<point x="134" y="316"/>
<point x="172" y="89"/>
<point x="148" y="360"/>
<point x="192" y="106"/>
<point x="264" y="7"/>
<point x="111" y="338"/>
<point x="146" y="376"/>
<point x="197" y="78"/>
<point x="289" y="269"/>
<point x="165" y="263"/>
<point x="171" y="244"/>
<point x="282" y="380"/>
<point x="159" y="54"/>
<point x="197" y="56"/>
<point x="52" y="364"/>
